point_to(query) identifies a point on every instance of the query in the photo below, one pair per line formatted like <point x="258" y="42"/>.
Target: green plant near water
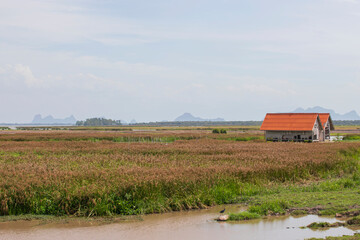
<point x="258" y="210"/>
<point x="270" y="207"/>
<point x="315" y="225"/>
<point x="243" y="216"/>
<point x="354" y="221"/>
<point x="356" y="236"/>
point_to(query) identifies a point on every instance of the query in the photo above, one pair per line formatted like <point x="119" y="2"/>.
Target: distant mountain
<point x="187" y="117"/>
<point x="50" y="120"/>
<point x="352" y="115"/>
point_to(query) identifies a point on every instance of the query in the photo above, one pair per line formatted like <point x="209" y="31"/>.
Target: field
<point x="102" y="173"/>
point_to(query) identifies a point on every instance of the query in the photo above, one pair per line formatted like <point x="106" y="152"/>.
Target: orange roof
<point x="290" y="121"/>
<point x="325" y="117"/>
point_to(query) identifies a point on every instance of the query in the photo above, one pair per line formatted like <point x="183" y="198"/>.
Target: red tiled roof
<point x="324" y="117"/>
<point x="289" y="121"/>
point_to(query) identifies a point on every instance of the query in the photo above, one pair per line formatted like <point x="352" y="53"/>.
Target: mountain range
<point x="352" y="115"/>
<point x="38" y="119"/>
<point x="188" y="117"/>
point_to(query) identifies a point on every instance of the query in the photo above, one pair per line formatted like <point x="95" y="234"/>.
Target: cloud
<point x="19" y="73"/>
<point x="271" y="88"/>
<point x="72" y="23"/>
<point x="98" y="75"/>
<point x="26" y="73"/>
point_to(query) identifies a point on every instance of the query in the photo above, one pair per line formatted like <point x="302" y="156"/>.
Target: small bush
<point x="243" y="216"/>
<point x="215" y="130"/>
<point x="316" y="225"/>
<point x="319" y="225"/>
<point x="221" y="131"/>
<point x="299" y="212"/>
<point x="354" y="221"/>
<point x="271" y="207"/>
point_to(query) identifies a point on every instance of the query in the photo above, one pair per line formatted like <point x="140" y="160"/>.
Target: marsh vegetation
<point x="103" y="174"/>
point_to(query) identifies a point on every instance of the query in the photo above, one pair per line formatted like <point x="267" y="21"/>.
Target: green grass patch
<point x="243" y="216"/>
<point x="315" y="225"/>
<point x="351" y="137"/>
<point x="270" y="207"/>
<point x="243" y="139"/>
<point x="356" y="236"/>
<point x="26" y="217"/>
<point x="354" y="221"/>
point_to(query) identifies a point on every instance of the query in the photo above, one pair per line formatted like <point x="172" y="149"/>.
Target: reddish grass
<point x="73" y="173"/>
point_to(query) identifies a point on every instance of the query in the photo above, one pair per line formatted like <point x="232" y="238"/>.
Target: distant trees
<point x="98" y="122"/>
<point x="221" y="131"/>
<point x="201" y="123"/>
<point x="346" y="122"/>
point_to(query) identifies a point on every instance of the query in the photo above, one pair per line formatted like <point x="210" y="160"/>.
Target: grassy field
<point x="354" y="237"/>
<point x="101" y="173"/>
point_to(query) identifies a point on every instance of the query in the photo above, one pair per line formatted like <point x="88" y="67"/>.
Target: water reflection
<point x="177" y="225"/>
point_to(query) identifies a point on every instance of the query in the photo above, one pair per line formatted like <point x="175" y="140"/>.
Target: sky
<point x="154" y="60"/>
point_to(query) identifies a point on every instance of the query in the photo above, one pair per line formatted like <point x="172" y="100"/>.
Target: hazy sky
<point x="154" y="60"/>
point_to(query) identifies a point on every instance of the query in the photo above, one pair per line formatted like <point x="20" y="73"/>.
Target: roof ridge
<point x="294" y="113"/>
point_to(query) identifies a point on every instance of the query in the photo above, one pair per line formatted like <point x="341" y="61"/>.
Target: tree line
<point x="98" y="122"/>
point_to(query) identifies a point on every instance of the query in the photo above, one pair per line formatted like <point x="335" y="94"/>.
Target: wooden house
<point x="297" y="127"/>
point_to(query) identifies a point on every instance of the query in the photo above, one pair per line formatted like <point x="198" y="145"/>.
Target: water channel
<point x="198" y="224"/>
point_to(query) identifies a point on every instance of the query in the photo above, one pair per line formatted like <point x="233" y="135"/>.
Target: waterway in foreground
<point x="197" y="224"/>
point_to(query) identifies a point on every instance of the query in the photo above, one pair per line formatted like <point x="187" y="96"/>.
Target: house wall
<point x="318" y="134"/>
<point x="288" y="135"/>
<point x="327" y="131"/>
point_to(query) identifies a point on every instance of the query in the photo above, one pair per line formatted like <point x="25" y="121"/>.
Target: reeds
<point x="73" y="176"/>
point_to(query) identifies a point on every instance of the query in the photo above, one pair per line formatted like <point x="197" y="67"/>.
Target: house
<point x="297" y="126"/>
<point x="327" y="123"/>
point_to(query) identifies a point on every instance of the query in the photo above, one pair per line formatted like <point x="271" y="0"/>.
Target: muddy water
<point x="180" y="225"/>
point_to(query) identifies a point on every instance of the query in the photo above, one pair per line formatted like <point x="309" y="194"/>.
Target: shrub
<point x="270" y="207"/>
<point x="354" y="221"/>
<point x="319" y="225"/>
<point x="222" y="131"/>
<point x="352" y="137"/>
<point x="215" y="130"/>
<point x="243" y="216"/>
